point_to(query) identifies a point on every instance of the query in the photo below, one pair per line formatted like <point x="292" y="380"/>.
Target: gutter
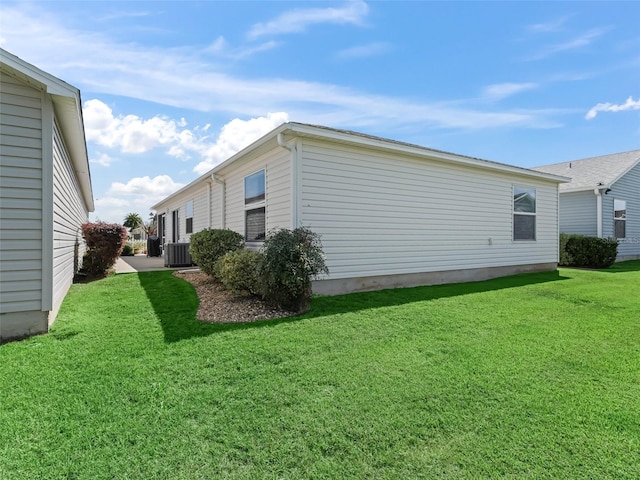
<point x="598" y="192"/>
<point x="294" y="176"/>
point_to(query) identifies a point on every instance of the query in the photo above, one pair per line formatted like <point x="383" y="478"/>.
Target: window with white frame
<point x="255" y="225"/>
<point x="524" y="213"/>
<point x="188" y="213"/>
<point x="620" y="218"/>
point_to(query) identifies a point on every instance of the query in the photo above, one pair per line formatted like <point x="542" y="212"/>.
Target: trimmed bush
<point x="238" y="271"/>
<point x="291" y="259"/>
<point x="127" y="251"/>
<point x="105" y="242"/>
<point x="584" y="251"/>
<point x="209" y="245"/>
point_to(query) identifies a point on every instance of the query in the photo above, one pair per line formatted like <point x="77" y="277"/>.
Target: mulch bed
<point x="218" y="305"/>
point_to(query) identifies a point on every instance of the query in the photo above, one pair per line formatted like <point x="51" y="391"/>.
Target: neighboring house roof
<point x="68" y="108"/>
<point x="589" y="173"/>
<point x="294" y="129"/>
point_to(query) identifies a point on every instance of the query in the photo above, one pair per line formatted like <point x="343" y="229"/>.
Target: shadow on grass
<point x="175" y="301"/>
<point x="622" y="267"/>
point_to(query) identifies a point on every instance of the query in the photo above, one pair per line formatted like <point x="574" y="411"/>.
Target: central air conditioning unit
<point x="177" y="255"/>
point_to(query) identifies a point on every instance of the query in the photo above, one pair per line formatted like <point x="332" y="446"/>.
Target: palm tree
<point x="132" y="221"/>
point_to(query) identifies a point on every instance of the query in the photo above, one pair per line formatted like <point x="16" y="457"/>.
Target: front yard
<point x="532" y="376"/>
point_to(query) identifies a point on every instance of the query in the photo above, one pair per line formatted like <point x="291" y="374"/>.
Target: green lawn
<point x="532" y="376"/>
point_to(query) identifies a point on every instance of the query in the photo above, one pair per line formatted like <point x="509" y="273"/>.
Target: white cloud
<point x="136" y="195"/>
<point x="236" y="135"/>
<point x="296" y="21"/>
<point x="130" y="133"/>
<point x="162" y="185"/>
<point x="364" y="51"/>
<point x="102" y="159"/>
<point x="630" y="104"/>
<point x="499" y="91"/>
<point x="187" y="78"/>
<point x="221" y="48"/>
<point x="580" y="41"/>
<point x="550" y="26"/>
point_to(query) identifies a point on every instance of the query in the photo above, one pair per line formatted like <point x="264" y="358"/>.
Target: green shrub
<point x="104" y="244"/>
<point x="127" y="251"/>
<point x="208" y="245"/>
<point x="584" y="251"/>
<point x="238" y="271"/>
<point x="291" y="259"/>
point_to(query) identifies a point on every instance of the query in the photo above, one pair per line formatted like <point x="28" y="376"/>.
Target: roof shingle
<point x="591" y="172"/>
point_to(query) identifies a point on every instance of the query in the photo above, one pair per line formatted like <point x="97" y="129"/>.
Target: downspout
<point x="294" y="175"/>
<point x="210" y="204"/>
<point x="598" y="193"/>
<point x="223" y="203"/>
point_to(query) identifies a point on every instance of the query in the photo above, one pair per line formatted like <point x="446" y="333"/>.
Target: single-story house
<point x="389" y="213"/>
<point x="602" y="199"/>
<point x="45" y="195"/>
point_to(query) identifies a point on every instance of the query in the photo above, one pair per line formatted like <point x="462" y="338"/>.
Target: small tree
<point x="151" y="225"/>
<point x="291" y="259"/>
<point x="104" y="245"/>
<point x="132" y="221"/>
<point x="208" y="245"/>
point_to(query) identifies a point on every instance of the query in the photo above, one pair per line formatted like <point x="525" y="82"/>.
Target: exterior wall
<point x="69" y="213"/>
<point x="628" y="189"/>
<point x="199" y="194"/>
<point x="276" y="164"/>
<point x="21" y="218"/>
<point x="380" y="214"/>
<point x="578" y="213"/>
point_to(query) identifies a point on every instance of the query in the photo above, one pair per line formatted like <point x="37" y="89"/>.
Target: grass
<point x="532" y="376"/>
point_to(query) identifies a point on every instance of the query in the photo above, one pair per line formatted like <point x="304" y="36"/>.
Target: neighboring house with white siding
<point x="602" y="199"/>
<point x="389" y="214"/>
<point x="45" y="195"/>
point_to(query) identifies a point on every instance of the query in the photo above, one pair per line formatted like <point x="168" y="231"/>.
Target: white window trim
<point x="254" y="205"/>
<point x="187" y="217"/>
<point x="531" y="214"/>
<point x="616" y="219"/>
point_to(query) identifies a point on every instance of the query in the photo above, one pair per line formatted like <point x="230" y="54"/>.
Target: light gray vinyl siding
<point x="276" y="164"/>
<point x="69" y="213"/>
<point x="199" y="194"/>
<point x="627" y="189"/>
<point x="578" y="213"/>
<point x="20" y="196"/>
<point x="201" y="209"/>
<point x="216" y="203"/>
<point x="382" y="214"/>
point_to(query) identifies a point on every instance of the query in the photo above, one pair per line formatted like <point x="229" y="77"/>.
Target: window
<point x="254" y="188"/>
<point x="620" y="218"/>
<point x="524" y="213"/>
<point x="189" y="215"/>
<point x="255" y="225"/>
<point x="175" y="226"/>
<point x="255" y="211"/>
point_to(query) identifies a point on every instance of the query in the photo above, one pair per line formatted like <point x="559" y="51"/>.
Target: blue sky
<point x="170" y="89"/>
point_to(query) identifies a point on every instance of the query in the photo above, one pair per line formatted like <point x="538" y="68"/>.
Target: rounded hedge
<point x="238" y="271"/>
<point x="209" y="245"/>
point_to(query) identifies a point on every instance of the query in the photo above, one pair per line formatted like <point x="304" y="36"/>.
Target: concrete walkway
<point x="139" y="263"/>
